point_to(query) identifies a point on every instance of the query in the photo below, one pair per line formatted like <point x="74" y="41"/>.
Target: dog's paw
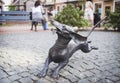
<point x="89" y="41"/>
<point x="55" y="76"/>
<point x="41" y="74"/>
<point x="94" y="48"/>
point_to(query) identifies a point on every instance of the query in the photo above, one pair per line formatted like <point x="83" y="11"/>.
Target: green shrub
<point x="71" y="16"/>
<point x="11" y="8"/>
<point x="113" y="20"/>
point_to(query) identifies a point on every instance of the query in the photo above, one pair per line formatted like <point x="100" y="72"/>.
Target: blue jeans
<point x="45" y="25"/>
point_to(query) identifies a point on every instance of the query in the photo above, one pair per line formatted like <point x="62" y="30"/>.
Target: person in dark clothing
<point x="38" y="16"/>
<point x="97" y="18"/>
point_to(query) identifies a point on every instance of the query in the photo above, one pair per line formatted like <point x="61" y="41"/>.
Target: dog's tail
<point x="95" y="26"/>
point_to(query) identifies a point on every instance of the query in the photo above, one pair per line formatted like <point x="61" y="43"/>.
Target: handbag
<point x="44" y="18"/>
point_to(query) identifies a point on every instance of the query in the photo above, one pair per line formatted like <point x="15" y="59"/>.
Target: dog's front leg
<point x="45" y="68"/>
<point x="58" y="68"/>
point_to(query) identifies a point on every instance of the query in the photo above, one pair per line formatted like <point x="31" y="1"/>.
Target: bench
<point x="18" y="16"/>
<point x="15" y="16"/>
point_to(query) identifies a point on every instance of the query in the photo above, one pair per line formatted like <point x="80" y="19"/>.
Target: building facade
<point x="54" y="4"/>
<point x="116" y="5"/>
<point x="59" y="4"/>
<point x="1" y="5"/>
<point x="21" y="5"/>
<point x="100" y="6"/>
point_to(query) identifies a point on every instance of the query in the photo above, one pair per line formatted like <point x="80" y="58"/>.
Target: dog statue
<point x="68" y="42"/>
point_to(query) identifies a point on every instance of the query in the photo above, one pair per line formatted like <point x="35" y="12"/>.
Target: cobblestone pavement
<point x="22" y="56"/>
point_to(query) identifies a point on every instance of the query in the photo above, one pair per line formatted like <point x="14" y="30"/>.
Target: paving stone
<point x="26" y="80"/>
<point x="74" y="72"/>
<point x="113" y="78"/>
<point x="106" y="73"/>
<point x="5" y="80"/>
<point x="43" y="81"/>
<point x="15" y="82"/>
<point x="34" y="71"/>
<point x="83" y="65"/>
<point x="2" y="74"/>
<point x="63" y="80"/>
<point x="88" y="73"/>
<point x="118" y="81"/>
<point x="95" y="71"/>
<point x="76" y="67"/>
<point x="115" y="70"/>
<point x="14" y="77"/>
<point x="93" y="79"/>
<point x="19" y="69"/>
<point x="107" y="67"/>
<point x="88" y="66"/>
<point x="104" y="81"/>
<point x="13" y="72"/>
<point x="24" y="57"/>
<point x="52" y="80"/>
<point x="118" y="64"/>
<point x="118" y="75"/>
<point x="102" y="68"/>
<point x="34" y="77"/>
<point x="69" y="76"/>
<point x="24" y="74"/>
<point x="84" y="81"/>
<point x="1" y="66"/>
<point x="5" y="66"/>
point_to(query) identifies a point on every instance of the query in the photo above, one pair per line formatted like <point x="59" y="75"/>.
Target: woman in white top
<point x="37" y="11"/>
<point x="88" y="13"/>
<point x="37" y="16"/>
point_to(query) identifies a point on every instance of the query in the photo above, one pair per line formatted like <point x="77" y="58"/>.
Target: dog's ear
<point x="78" y="38"/>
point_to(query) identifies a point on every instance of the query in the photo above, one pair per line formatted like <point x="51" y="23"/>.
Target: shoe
<point x="46" y="29"/>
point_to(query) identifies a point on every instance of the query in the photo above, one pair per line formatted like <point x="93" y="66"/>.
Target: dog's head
<point x="63" y="32"/>
<point x="67" y="32"/>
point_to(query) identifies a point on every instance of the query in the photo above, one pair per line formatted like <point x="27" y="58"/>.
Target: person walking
<point x="88" y="12"/>
<point x="97" y="18"/>
<point x="37" y="15"/>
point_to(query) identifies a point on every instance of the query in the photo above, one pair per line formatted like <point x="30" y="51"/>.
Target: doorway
<point x="98" y="7"/>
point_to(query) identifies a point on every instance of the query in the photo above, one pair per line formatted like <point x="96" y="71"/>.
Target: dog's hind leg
<point x="58" y="68"/>
<point x="45" y="68"/>
<point x="86" y="48"/>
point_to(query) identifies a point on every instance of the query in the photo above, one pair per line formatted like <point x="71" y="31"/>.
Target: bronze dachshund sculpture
<point x="68" y="42"/>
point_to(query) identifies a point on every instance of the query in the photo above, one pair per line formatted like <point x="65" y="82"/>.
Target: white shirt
<point x="37" y="12"/>
<point x="54" y="12"/>
<point x="87" y="6"/>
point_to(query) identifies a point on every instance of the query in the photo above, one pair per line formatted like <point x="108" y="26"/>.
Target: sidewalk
<point x="22" y="56"/>
<point x="19" y="28"/>
<point x="25" y="27"/>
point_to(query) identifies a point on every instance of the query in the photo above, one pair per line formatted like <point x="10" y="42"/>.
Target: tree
<point x="71" y="16"/>
<point x="11" y="8"/>
<point x="113" y="20"/>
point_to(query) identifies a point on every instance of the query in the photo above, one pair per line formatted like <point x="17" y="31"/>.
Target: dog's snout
<point x="64" y="31"/>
